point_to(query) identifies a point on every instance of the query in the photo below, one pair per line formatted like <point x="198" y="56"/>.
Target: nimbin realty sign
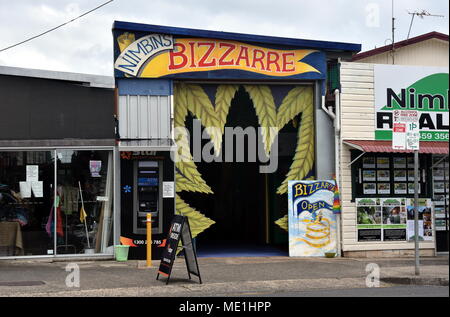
<point x="424" y="89"/>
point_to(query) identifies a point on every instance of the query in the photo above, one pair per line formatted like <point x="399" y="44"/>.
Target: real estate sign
<point x="423" y="89"/>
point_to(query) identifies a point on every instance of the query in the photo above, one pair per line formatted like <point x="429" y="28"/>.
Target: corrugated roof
<point x="426" y="147"/>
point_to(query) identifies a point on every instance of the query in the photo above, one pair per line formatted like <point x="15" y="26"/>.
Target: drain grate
<point x="22" y="283"/>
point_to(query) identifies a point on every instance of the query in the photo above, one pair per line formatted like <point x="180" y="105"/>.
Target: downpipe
<point x="337" y="129"/>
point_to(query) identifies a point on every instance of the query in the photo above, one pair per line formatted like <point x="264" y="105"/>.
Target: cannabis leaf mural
<point x="267" y="113"/>
<point x="190" y="98"/>
<point x="299" y="100"/>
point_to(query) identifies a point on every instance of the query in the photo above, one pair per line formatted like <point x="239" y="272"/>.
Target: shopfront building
<point x="377" y="181"/>
<point x="57" y="146"/>
<point x="184" y="98"/>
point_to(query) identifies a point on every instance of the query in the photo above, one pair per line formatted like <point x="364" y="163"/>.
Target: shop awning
<point x="147" y="145"/>
<point x="426" y="147"/>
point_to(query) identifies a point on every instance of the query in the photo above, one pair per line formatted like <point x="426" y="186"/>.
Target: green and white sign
<point x="424" y="89"/>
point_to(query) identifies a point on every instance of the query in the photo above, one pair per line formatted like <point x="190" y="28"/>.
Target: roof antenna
<point x="393" y="35"/>
<point x="421" y="15"/>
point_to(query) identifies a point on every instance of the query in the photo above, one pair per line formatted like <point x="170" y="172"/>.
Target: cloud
<point x="86" y="44"/>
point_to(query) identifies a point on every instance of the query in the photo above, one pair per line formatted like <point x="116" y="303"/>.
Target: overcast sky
<point x="85" y="46"/>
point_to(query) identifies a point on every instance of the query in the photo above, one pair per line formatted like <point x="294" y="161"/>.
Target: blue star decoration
<point x="127" y="189"/>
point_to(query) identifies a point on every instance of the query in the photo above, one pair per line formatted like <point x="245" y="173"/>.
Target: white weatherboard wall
<point x="357" y="117"/>
<point x="432" y="52"/>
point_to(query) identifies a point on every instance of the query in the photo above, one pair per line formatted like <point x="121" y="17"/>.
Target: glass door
<point x="85" y="188"/>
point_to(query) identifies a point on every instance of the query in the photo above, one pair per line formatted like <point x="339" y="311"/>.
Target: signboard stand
<point x="416" y="212"/>
<point x="179" y="231"/>
<point x="409" y="141"/>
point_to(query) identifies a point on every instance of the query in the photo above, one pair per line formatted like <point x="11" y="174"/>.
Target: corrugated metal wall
<point x="144" y="117"/>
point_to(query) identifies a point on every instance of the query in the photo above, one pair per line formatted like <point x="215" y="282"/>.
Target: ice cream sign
<point x="411" y="89"/>
<point x="162" y="55"/>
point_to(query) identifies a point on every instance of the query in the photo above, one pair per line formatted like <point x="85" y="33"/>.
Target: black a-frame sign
<point x="179" y="231"/>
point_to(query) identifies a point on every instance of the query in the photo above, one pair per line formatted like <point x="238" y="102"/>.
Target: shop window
<point x="440" y="189"/>
<point x="26" y="196"/>
<point x="29" y="222"/>
<point x="388" y="175"/>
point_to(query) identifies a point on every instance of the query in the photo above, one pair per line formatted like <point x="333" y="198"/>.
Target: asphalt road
<point x="395" y="291"/>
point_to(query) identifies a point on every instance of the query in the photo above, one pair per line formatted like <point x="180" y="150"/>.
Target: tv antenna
<point x="421" y="15"/>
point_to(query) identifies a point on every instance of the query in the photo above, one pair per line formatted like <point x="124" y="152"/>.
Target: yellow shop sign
<point x="158" y="55"/>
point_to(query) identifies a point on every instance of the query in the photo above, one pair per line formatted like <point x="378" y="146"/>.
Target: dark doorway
<point x="238" y="205"/>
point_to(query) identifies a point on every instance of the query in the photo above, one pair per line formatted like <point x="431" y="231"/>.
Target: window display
<point x="382" y="219"/>
<point x="384" y="174"/>
<point x="26" y="200"/>
<point x="35" y="216"/>
<point x="82" y="179"/>
<point x="440" y="175"/>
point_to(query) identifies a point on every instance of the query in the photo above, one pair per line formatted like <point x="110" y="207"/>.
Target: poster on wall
<point x="425" y="220"/>
<point x="381" y="219"/>
<point x="369" y="176"/>
<point x="95" y="167"/>
<point x="384" y="188"/>
<point x="411" y="188"/>
<point x="368" y="162"/>
<point x="383" y="162"/>
<point x="399" y="162"/>
<point x="394" y="219"/>
<point x="400" y="188"/>
<point x="312" y="223"/>
<point x="418" y="88"/>
<point x="383" y="175"/>
<point x="400" y="175"/>
<point x="369" y="219"/>
<point x="32" y="173"/>
<point x="370" y="188"/>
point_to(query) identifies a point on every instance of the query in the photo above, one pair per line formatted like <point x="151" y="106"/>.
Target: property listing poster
<point x="381" y="219"/>
<point x="312" y="223"/>
<point x="425" y="212"/>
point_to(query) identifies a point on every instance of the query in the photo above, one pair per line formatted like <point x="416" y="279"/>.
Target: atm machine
<point x="147" y="196"/>
<point x="142" y="176"/>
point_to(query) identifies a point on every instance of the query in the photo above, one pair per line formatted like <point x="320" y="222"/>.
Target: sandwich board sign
<point x="312" y="218"/>
<point x="179" y="231"/>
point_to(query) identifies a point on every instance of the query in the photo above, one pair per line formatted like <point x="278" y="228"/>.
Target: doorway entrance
<point x="244" y="204"/>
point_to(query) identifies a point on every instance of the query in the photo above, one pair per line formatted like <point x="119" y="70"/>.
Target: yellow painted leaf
<point x="283" y="223"/>
<point x="197" y="221"/>
<point x="304" y="154"/>
<point x="264" y="105"/>
<point x="200" y="106"/>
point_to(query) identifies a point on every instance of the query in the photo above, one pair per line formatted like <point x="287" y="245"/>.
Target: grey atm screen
<point x="148" y="164"/>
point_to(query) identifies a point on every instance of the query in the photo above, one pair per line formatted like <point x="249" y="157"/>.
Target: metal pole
<point x="416" y="211"/>
<point x="149" y="239"/>
<point x="55" y="194"/>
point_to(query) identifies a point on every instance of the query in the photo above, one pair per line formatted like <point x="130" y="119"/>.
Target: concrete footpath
<point x="221" y="276"/>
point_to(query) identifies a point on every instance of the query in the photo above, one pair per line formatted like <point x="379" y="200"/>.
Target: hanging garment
<point x="59" y="224"/>
<point x="70" y="200"/>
